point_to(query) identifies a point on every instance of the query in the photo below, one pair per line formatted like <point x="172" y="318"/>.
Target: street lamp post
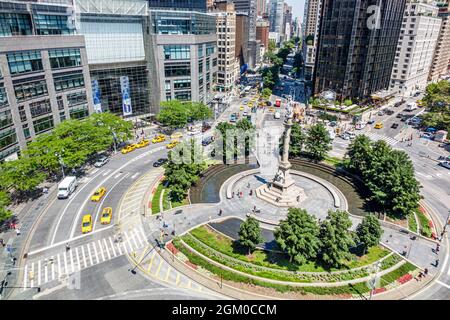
<point x="61" y="162"/>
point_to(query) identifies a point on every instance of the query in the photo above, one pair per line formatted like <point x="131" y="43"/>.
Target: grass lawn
<point x="155" y="200"/>
<point x="166" y="200"/>
<point x="412" y="225"/>
<point x="424" y="228"/>
<point x="276" y="260"/>
<point x="397" y="273"/>
<point x="332" y="161"/>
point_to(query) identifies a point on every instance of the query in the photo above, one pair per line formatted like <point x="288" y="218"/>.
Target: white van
<point x="411" y="106"/>
<point x="67" y="187"/>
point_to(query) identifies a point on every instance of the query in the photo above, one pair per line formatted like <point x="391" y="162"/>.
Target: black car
<point x="159" y="162"/>
<point x="394" y="126"/>
<point x="371" y="121"/>
<point x="399" y="116"/>
<point x="389" y="112"/>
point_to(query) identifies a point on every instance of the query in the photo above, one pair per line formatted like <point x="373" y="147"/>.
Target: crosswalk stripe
<point x="96" y="253"/>
<point x="107" y="249"/>
<point x="133" y="237"/>
<point x="25" y="277"/>
<point x="45" y="273"/>
<point x="90" y="254"/>
<point x="66" y="269"/>
<point x="32" y="278"/>
<point x="72" y="265"/>
<point x="59" y="266"/>
<point x="53" y="268"/>
<point x="138" y="237"/>
<point x="118" y="248"/>
<point x="84" y="256"/>
<point x="78" y="259"/>
<point x="127" y="240"/>
<point x="39" y="273"/>
<point x="112" y="246"/>
<point x="101" y="250"/>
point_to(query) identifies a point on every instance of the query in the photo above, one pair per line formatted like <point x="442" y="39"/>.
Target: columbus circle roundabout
<point x="196" y="244"/>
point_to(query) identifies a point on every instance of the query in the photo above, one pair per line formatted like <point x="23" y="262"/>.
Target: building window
<point x="210" y="49"/>
<point x="60" y="102"/>
<point x="68" y="81"/>
<point x="3" y="96"/>
<point x="76" y="98"/>
<point x="79" y="112"/>
<point x="177" y="52"/>
<point x="40" y="108"/>
<point x="25" y="61"/>
<point x="64" y="58"/>
<point x="200" y="67"/>
<point x="26" y="131"/>
<point x="7" y="138"/>
<point x="29" y="90"/>
<point x="5" y="119"/>
<point x="183" y="95"/>
<point x="182" y="84"/>
<point x="44" y="124"/>
<point x="52" y="24"/>
<point x="179" y="70"/>
<point x="62" y="116"/>
<point x="200" y="51"/>
<point x="15" y="24"/>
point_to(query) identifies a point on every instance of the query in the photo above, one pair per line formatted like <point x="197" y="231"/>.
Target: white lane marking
<point x="59" y="266"/>
<point x="118" y="248"/>
<point x="39" y="273"/>
<point x="133" y="237"/>
<point x="71" y="239"/>
<point x="90" y="255"/>
<point x="66" y="269"/>
<point x="94" y="171"/>
<point x="25" y="277"/>
<point x="53" y="268"/>
<point x="45" y="272"/>
<point x="32" y="278"/>
<point x="443" y="284"/>
<point x="112" y="246"/>
<point x="127" y="240"/>
<point x="135" y="175"/>
<point x="118" y="175"/>
<point x="104" y="198"/>
<point x="84" y="256"/>
<point x="142" y="234"/>
<point x="96" y="253"/>
<point x="107" y="249"/>
<point x="106" y="172"/>
<point x="71" y="261"/>
<point x="77" y="217"/>
<point x="78" y="259"/>
<point x="67" y="206"/>
<point x="138" y="237"/>
<point x="101" y="250"/>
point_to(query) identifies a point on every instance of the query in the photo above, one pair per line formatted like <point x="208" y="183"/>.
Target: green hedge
<point x="397" y="273"/>
<point x="155" y="200"/>
<point x="424" y="228"/>
<point x="412" y="224"/>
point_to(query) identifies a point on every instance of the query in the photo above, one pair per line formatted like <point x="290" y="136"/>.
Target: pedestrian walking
<point x="232" y="195"/>
<point x="251" y="192"/>
<point x="2" y="242"/>
<point x="220" y="212"/>
<point x="248" y="185"/>
<point x="67" y="246"/>
<point x="437" y="248"/>
<point x="436" y="263"/>
<point x="425" y="271"/>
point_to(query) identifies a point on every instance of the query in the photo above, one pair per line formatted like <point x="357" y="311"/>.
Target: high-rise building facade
<point x="415" y="50"/>
<point x="261" y="7"/>
<point x="276" y="16"/>
<point x="184" y="5"/>
<point x="262" y="32"/>
<point x="228" y="64"/>
<point x="441" y="59"/>
<point x="312" y="21"/>
<point x="248" y="7"/>
<point x="184" y="58"/>
<point x="115" y="35"/>
<point x="44" y="74"/>
<point x="356" y="51"/>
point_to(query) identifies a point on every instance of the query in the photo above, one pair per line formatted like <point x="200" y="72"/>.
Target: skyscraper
<point x="312" y="21"/>
<point x="248" y="7"/>
<point x="356" y="47"/>
<point x="192" y="5"/>
<point x="416" y="45"/>
<point x="276" y="16"/>
<point x="441" y="59"/>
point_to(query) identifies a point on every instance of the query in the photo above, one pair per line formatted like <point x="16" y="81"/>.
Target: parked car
<point x="389" y="112"/>
<point x="101" y="162"/>
<point x="394" y="126"/>
<point x="371" y="121"/>
<point x="159" y="162"/>
<point x="445" y="164"/>
<point x="207" y="141"/>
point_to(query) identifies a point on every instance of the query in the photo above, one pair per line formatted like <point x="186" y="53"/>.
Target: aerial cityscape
<point x="224" y="150"/>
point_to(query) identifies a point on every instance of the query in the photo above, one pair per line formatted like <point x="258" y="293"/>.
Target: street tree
<point x="335" y="238"/>
<point x="199" y="111"/>
<point x="250" y="234"/>
<point x="20" y="175"/>
<point x="5" y="213"/>
<point x="360" y="154"/>
<point x="298" y="138"/>
<point x="369" y="232"/>
<point x="173" y="114"/>
<point x="266" y="93"/>
<point x="298" y="235"/>
<point x="318" y="142"/>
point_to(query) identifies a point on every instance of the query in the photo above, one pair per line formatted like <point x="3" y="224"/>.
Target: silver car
<point x="101" y="162"/>
<point x="445" y="164"/>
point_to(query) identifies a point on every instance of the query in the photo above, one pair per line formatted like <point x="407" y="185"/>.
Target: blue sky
<point x="297" y="7"/>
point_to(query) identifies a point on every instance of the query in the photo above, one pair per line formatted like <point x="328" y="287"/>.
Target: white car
<point x="277" y="115"/>
<point x="445" y="164"/>
<point x="101" y="162"/>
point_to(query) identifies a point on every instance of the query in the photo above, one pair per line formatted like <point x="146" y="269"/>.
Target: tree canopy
<point x="369" y="231"/>
<point x="318" y="142"/>
<point x="250" y="234"/>
<point x="177" y="114"/>
<point x="298" y="235"/>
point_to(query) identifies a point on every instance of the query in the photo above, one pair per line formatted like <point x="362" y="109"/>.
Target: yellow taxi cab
<point x="250" y="104"/>
<point x="98" y="194"/>
<point x="159" y="138"/>
<point x="242" y="108"/>
<point x="379" y="125"/>
<point x="143" y="143"/>
<point x="129" y="148"/>
<point x="172" y="144"/>
<point x="271" y="109"/>
<point x="420" y="103"/>
<point x="86" y="224"/>
<point x="176" y="135"/>
<point x="106" y="216"/>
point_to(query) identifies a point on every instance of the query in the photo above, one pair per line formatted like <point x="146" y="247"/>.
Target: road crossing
<point x="376" y="137"/>
<point x="60" y="266"/>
